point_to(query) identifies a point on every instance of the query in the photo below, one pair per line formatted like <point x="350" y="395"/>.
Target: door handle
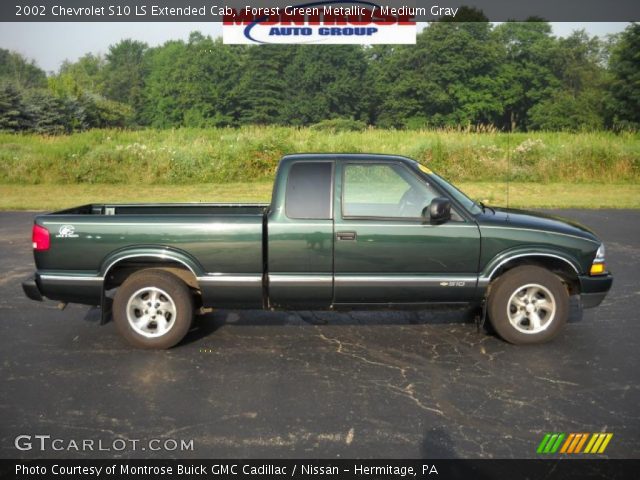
<point x="346" y="235"/>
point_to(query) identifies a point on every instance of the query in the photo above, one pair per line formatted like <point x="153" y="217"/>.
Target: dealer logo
<point x="67" y="231"/>
<point x="321" y="22"/>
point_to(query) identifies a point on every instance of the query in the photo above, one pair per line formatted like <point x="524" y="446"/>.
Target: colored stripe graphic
<point x="565" y="447"/>
<point x="550" y="443"/>
<point x="574" y="442"/>
<point x="598" y="442"/>
<point x="606" y="442"/>
<point x="556" y="445"/>
<point x="578" y="441"/>
<point x="543" y="443"/>
<point x="581" y="443"/>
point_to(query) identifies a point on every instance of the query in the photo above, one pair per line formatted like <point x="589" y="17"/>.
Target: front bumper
<point x="31" y="289"/>
<point x="594" y="289"/>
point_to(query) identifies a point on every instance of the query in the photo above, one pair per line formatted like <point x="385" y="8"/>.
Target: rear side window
<point x="309" y="190"/>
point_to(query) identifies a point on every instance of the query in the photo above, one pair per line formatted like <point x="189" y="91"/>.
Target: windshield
<point x="460" y="197"/>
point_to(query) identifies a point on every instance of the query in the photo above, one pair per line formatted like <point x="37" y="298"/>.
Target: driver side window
<point x="383" y="190"/>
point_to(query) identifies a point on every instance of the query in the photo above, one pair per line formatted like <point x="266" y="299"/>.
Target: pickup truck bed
<point x="168" y="209"/>
<point x="206" y="238"/>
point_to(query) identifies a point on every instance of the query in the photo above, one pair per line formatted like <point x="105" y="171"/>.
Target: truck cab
<point x="356" y="230"/>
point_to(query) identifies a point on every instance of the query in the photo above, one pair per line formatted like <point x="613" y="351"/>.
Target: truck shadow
<point x="205" y="325"/>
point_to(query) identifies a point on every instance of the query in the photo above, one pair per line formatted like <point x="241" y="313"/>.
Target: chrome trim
<point x="485" y="279"/>
<point x="539" y="231"/>
<point x="306" y="280"/>
<point x="163" y="224"/>
<point x="308" y="223"/>
<point x="223" y="279"/>
<point x="70" y="278"/>
<point x="425" y="224"/>
<point x="153" y="255"/>
<point x="403" y="281"/>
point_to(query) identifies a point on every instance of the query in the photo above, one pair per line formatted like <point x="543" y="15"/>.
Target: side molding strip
<point x="296" y="280"/>
<point x="70" y="278"/>
<point x="403" y="281"/>
<point x="232" y="279"/>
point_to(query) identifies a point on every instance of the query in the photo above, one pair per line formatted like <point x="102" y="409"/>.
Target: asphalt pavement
<point x="252" y="384"/>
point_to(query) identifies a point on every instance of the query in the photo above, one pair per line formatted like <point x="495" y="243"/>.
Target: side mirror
<point x="438" y="211"/>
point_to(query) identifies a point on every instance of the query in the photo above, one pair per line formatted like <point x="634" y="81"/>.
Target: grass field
<point x="588" y="170"/>
<point x="521" y="195"/>
<point x="248" y="154"/>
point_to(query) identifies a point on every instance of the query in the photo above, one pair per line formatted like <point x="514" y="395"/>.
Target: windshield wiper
<point x="483" y="207"/>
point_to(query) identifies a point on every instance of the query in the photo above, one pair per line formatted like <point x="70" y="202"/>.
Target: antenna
<point x="508" y="166"/>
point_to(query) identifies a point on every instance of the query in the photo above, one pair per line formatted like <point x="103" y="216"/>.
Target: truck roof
<point x="372" y="157"/>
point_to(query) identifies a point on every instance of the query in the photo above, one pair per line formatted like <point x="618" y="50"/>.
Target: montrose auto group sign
<point x="329" y="22"/>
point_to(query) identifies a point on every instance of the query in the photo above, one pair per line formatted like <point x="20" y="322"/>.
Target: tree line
<point x="512" y="76"/>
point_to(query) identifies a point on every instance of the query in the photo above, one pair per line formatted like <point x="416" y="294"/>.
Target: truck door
<point x="300" y="235"/>
<point x="386" y="252"/>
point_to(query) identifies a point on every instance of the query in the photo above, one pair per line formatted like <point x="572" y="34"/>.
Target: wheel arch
<point x="559" y="263"/>
<point x="116" y="268"/>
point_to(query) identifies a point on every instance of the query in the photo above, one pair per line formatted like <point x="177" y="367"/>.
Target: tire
<point x="153" y="309"/>
<point x="528" y="305"/>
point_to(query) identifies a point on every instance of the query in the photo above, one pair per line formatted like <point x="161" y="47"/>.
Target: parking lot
<point x="319" y="384"/>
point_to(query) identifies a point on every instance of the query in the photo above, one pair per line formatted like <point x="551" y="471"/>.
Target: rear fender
<point x="150" y="254"/>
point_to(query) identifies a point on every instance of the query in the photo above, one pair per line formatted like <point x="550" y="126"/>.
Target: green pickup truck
<point x="342" y="231"/>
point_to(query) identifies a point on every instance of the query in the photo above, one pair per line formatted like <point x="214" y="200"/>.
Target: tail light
<point x="40" y="237"/>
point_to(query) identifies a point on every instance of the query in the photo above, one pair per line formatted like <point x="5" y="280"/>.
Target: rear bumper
<point x="594" y="289"/>
<point x="84" y="289"/>
<point x="31" y="289"/>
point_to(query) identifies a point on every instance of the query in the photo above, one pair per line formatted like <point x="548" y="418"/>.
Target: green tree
<point x="447" y="78"/>
<point x="326" y="81"/>
<point x="578" y="102"/>
<point x="99" y="112"/>
<point x="210" y="73"/>
<point x="380" y="60"/>
<point x="262" y="87"/>
<point x="566" y="111"/>
<point x="13" y="116"/>
<point x="48" y="114"/>
<point x="192" y="84"/>
<point x="525" y="69"/>
<point x="74" y="78"/>
<point x="21" y="72"/>
<point x="162" y="88"/>
<point x="624" y="92"/>
<point x="124" y="73"/>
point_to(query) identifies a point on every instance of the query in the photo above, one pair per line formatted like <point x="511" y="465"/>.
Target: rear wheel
<point x="153" y="309"/>
<point x="527" y="305"/>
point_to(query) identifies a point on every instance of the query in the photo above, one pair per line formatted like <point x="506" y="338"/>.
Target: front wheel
<point x="528" y="305"/>
<point x="153" y="309"/>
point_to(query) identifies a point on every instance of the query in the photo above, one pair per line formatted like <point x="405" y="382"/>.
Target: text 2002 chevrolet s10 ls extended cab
<point x="342" y="231"/>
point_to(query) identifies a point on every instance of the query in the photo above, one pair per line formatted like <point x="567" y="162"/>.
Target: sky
<point x="49" y="44"/>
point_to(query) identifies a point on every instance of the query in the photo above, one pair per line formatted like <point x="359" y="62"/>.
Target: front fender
<point x="502" y="258"/>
